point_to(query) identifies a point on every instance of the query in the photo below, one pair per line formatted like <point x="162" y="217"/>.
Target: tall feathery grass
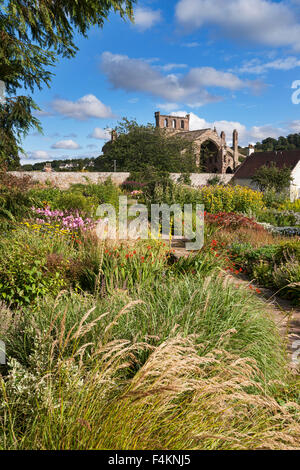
<point x="191" y="364"/>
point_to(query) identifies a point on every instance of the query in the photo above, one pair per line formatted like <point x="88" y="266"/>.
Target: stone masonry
<point x="222" y="160"/>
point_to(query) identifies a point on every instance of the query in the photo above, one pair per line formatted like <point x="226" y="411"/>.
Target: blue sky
<point x="230" y="63"/>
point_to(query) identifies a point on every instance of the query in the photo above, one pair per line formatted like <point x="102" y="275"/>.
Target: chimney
<point x="113" y="135"/>
<point x="235" y="140"/>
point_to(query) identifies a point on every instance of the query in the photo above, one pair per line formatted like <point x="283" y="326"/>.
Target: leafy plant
<point x="272" y="178"/>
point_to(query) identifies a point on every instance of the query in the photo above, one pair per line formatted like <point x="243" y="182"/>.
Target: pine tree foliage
<point x="33" y="34"/>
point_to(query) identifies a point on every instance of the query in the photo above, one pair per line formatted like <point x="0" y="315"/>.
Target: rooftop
<point x="284" y="158"/>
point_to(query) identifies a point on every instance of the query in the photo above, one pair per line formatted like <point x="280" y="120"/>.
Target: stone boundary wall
<point x="64" y="180"/>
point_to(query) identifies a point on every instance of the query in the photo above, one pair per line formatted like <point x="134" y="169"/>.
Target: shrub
<point x="26" y="268"/>
<point x="214" y="198"/>
<point x="291" y="206"/>
<point x="151" y="181"/>
<point x="70" y="221"/>
<point x="232" y="220"/>
<point x="275" y="266"/>
<point x="272" y="199"/>
<point x="214" y="181"/>
<point x="100" y="193"/>
<point x="15" y="183"/>
<point x="273" y="178"/>
<point x="277" y="218"/>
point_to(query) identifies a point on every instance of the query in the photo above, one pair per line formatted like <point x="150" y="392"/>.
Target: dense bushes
<point x="232" y="221"/>
<point x="18" y="195"/>
<point x="214" y="198"/>
<point x="275" y="266"/>
<point x="24" y="271"/>
<point x="277" y="218"/>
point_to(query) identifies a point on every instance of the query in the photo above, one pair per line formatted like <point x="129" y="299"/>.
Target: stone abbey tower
<point x="212" y="148"/>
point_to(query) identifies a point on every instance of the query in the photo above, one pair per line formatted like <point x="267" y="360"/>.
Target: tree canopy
<point x="291" y="142"/>
<point x="33" y="34"/>
<point x="272" y="178"/>
<point x="138" y="147"/>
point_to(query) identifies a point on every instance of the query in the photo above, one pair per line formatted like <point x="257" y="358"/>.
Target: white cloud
<point x="38" y="155"/>
<point x="66" y="144"/>
<point x="168" y="107"/>
<point x="102" y="134"/>
<point x="86" y="107"/>
<point x="246" y="135"/>
<point x="264" y="22"/>
<point x="208" y="76"/>
<point x="133" y="100"/>
<point x="169" y="67"/>
<point x="145" y="18"/>
<point x="138" y="75"/>
<point x="295" y="126"/>
<point x="255" y="66"/>
<point x="92" y="146"/>
<point x="191" y="44"/>
<point x="70" y="135"/>
<point x="268" y="130"/>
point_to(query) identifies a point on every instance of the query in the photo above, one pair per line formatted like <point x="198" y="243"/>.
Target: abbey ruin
<point x="212" y="150"/>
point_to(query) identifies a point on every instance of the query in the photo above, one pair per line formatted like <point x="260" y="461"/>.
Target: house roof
<point x="288" y="158"/>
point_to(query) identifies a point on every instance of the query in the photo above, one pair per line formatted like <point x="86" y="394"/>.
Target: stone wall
<point x="64" y="180"/>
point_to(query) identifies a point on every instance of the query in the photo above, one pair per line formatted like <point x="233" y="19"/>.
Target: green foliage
<point x="23" y="273"/>
<point x="139" y="147"/>
<point x="103" y="193"/>
<point x="272" y="199"/>
<point x="123" y="374"/>
<point x="73" y="200"/>
<point x="291" y="142"/>
<point x="214" y="198"/>
<point x="15" y="201"/>
<point x="277" y="218"/>
<point x="82" y="197"/>
<point x="272" y="178"/>
<point x="185" y="178"/>
<point x="76" y="164"/>
<point x="214" y="181"/>
<point x="274" y="266"/>
<point x="291" y="206"/>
